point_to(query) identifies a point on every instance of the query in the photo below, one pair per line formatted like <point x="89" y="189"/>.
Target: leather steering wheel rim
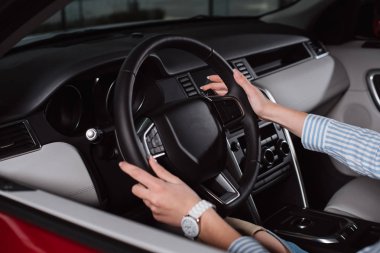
<point x="129" y="144"/>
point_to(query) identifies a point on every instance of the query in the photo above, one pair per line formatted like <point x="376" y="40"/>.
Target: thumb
<point x="241" y="80"/>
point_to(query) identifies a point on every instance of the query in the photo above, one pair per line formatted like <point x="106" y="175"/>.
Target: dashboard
<point x="59" y="92"/>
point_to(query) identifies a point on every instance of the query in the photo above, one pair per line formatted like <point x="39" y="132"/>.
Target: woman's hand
<point x="265" y="109"/>
<point x="259" y="103"/>
<point x="167" y="196"/>
<point x="216" y="84"/>
<point x="169" y="199"/>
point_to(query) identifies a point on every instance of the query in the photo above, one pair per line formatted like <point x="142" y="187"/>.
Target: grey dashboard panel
<point x="357" y="61"/>
<point x="57" y="168"/>
<point x="308" y="85"/>
<point x="356" y="106"/>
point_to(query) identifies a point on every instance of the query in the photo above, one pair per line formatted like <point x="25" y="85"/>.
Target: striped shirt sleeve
<point x="371" y="249"/>
<point x="246" y="244"/>
<point x="356" y="147"/>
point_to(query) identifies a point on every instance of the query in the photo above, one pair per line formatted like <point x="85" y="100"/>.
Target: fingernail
<point x="120" y="164"/>
<point x="208" y="77"/>
<point x="201" y="88"/>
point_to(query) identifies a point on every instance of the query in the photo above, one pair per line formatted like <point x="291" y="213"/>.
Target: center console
<point x="279" y="199"/>
<point x="317" y="231"/>
<point x="275" y="152"/>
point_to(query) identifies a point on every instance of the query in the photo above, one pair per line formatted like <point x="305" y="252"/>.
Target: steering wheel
<point x="190" y="134"/>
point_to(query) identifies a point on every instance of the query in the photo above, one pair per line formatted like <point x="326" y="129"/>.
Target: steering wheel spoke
<point x="221" y="189"/>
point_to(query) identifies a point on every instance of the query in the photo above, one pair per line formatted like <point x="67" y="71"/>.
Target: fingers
<point x="214" y="86"/>
<point x="219" y="88"/>
<point x="147" y="203"/>
<point x="215" y="78"/>
<point x="141" y="191"/>
<point x="162" y="173"/>
<point x="241" y="80"/>
<point x="139" y="175"/>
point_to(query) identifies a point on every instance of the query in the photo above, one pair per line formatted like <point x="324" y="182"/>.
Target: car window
<point x="86" y="13"/>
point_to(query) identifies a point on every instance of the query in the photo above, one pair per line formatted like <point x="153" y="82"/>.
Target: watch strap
<point x="198" y="209"/>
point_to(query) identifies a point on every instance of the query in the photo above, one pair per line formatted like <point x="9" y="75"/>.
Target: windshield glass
<point x="87" y="13"/>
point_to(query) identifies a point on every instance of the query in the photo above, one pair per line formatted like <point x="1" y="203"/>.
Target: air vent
<point x="16" y="139"/>
<point x="241" y="65"/>
<point x="188" y="86"/>
<point x="317" y="48"/>
<point x="277" y="59"/>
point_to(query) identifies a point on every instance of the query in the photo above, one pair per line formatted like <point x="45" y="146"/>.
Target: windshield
<point x="87" y="13"/>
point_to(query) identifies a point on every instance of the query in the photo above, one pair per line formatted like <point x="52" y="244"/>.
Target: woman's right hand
<point x="260" y="104"/>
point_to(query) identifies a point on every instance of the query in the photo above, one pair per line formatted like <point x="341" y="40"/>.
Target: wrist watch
<point x="190" y="222"/>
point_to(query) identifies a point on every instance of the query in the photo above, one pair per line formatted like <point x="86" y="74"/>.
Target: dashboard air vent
<point x="317" y="48"/>
<point x="188" y="86"/>
<point x="277" y="59"/>
<point x="16" y="139"/>
<point x="241" y="65"/>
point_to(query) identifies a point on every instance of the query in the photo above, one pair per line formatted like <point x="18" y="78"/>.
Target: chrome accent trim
<point x="250" y="200"/>
<point x="371" y="86"/>
<point x="294" y="156"/>
<point x="252" y="204"/>
<point x="227" y="185"/>
<point x="146" y="145"/>
<point x="297" y="168"/>
<point x="313" y="53"/>
<point x="321" y="56"/>
<point x="234" y="161"/>
<point x="324" y="240"/>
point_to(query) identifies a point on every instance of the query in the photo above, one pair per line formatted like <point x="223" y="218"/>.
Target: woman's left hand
<point x="167" y="196"/>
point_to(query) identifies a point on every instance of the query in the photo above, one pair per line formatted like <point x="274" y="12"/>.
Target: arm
<point x="264" y="108"/>
<point x="356" y="147"/>
<point x="169" y="199"/>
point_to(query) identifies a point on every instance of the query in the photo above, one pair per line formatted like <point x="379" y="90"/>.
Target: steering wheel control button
<point x="153" y="142"/>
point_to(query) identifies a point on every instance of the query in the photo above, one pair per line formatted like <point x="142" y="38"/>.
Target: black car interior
<point x="81" y="91"/>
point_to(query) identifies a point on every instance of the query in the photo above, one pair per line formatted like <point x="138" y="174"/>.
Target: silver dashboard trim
<point x="227" y="185"/>
<point x="371" y="86"/>
<point x="324" y="240"/>
<point x="294" y="156"/>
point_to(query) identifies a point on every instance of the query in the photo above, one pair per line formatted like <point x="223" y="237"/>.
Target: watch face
<point x="190" y="226"/>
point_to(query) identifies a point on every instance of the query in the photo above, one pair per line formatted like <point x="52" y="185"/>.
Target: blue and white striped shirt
<point x="356" y="147"/>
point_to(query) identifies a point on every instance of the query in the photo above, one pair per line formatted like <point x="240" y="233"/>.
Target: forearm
<point x="215" y="231"/>
<point x="292" y="120"/>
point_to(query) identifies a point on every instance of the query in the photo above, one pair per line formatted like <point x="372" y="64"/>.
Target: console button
<point x="269" y="156"/>
<point x="235" y="146"/>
